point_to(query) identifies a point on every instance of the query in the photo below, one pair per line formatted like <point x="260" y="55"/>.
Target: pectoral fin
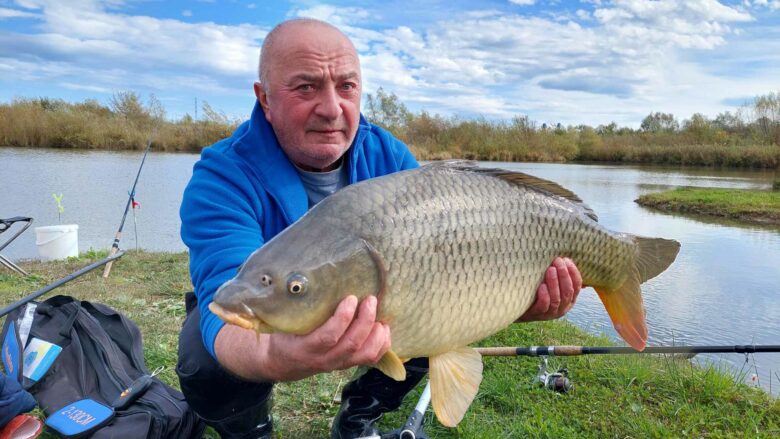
<point x="455" y="378"/>
<point x="392" y="366"/>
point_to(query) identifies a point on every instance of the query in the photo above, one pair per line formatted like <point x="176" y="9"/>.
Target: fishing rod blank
<point x="59" y="282"/>
<point x="567" y="351"/>
<point x="559" y="381"/>
<point x="115" y="245"/>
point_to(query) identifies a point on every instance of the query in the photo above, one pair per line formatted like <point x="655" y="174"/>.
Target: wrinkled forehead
<point x="314" y="41"/>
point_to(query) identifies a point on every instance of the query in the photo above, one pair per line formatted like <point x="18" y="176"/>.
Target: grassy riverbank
<point x="751" y="206"/>
<point x="748" y="138"/>
<point x="629" y="396"/>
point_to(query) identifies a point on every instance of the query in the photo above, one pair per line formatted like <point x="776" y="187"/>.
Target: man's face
<point x="312" y="95"/>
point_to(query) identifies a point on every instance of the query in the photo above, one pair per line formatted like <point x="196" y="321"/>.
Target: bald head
<point x="287" y="33"/>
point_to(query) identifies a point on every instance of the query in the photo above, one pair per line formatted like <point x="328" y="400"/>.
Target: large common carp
<point x="454" y="253"/>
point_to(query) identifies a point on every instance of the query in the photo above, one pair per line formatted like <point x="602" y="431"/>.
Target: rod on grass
<point x="568" y="351"/>
<point x="57" y="283"/>
<point x="130" y="198"/>
<point x="559" y="381"/>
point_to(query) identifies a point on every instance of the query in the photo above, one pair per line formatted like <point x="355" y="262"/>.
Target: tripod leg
<point x="8" y="263"/>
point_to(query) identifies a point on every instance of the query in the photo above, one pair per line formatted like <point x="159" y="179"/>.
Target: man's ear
<point x="262" y="97"/>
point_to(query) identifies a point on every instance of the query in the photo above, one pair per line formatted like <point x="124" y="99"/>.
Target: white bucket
<point x="57" y="242"/>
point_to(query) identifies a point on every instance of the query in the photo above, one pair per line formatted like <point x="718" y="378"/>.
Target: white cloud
<point x="607" y="61"/>
<point x="28" y="4"/>
<point x="85" y="87"/>
<point x="773" y="5"/>
<point x="498" y="65"/>
<point x="337" y="16"/>
<point x="186" y="13"/>
<point x="523" y="2"/>
<point x="583" y="14"/>
<point x="86" y="34"/>
<point x="15" y="13"/>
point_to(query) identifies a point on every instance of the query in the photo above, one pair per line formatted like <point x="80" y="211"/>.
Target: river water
<point x="723" y="289"/>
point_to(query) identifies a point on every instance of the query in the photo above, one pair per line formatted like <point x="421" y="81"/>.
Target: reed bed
<point x="748" y="139"/>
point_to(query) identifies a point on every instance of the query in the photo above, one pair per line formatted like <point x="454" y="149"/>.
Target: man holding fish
<point x="305" y="140"/>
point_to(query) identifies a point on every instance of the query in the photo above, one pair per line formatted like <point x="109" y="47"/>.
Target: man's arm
<point x="221" y="226"/>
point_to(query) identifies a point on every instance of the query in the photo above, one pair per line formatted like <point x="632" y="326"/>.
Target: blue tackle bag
<point x="83" y="362"/>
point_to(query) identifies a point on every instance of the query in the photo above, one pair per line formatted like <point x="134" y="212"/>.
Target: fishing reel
<point x="555" y="381"/>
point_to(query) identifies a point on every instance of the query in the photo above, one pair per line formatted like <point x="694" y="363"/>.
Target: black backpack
<point x="101" y="356"/>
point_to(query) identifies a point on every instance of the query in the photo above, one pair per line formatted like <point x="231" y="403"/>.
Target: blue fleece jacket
<point x="244" y="190"/>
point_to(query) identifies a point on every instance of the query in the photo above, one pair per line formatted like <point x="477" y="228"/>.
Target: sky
<point x="557" y="61"/>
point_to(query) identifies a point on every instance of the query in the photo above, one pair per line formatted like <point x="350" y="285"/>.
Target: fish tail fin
<point x="654" y="255"/>
<point x="624" y="304"/>
<point x="455" y="377"/>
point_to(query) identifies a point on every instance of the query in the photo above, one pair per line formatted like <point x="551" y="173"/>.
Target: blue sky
<point x="576" y="61"/>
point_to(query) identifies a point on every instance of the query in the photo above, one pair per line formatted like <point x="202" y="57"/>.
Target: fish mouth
<point x="246" y="320"/>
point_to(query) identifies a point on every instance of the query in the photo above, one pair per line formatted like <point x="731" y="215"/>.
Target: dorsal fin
<point x="546" y="187"/>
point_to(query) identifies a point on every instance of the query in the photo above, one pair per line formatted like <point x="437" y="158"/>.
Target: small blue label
<point x="38" y="358"/>
<point x="79" y="417"/>
<point x="11" y="353"/>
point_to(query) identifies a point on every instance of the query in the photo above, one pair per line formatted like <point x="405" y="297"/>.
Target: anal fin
<point x="455" y="377"/>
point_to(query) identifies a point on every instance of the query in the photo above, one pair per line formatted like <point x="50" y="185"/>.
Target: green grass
<point x="613" y="396"/>
<point x="752" y="206"/>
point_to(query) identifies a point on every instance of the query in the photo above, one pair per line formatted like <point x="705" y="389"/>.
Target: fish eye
<point x="266" y="280"/>
<point x="296" y="284"/>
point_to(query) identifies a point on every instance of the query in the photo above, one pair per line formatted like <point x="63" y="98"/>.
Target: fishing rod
<point x="568" y="351"/>
<point x="559" y="381"/>
<point x="130" y="199"/>
<point x="68" y="278"/>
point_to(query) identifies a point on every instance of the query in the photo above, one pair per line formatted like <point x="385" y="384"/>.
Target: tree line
<point x="127" y="122"/>
<point x="747" y="137"/>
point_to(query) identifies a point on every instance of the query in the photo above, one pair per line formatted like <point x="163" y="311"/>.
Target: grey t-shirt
<point x="319" y="185"/>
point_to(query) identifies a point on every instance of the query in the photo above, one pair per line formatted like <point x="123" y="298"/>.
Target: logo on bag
<point x="78" y="416"/>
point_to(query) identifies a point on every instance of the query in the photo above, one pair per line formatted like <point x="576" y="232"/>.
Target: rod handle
<point x="113" y="251"/>
<point x="498" y="351"/>
<point x="563" y="351"/>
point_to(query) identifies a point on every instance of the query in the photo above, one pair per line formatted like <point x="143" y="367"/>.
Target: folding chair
<point x="6" y="224"/>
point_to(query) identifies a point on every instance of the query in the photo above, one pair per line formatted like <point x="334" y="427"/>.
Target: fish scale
<point x="454" y="253"/>
<point x="486" y="233"/>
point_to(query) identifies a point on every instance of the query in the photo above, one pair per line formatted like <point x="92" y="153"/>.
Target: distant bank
<point x="748" y="138"/>
<point x="749" y="206"/>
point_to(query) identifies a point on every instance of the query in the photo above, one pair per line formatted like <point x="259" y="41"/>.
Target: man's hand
<point x="351" y="337"/>
<point x="557" y="294"/>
